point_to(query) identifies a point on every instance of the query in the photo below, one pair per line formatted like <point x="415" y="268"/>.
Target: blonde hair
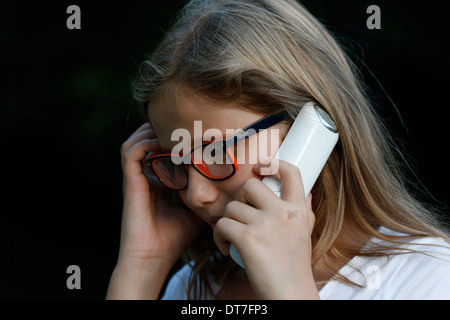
<point x="272" y="55"/>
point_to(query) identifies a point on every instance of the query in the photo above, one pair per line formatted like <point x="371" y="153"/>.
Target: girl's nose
<point x="201" y="191"/>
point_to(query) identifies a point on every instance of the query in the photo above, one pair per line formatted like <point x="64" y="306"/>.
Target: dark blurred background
<point x="66" y="109"/>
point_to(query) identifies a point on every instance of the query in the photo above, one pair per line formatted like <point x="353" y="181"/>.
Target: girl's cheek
<point x="261" y="147"/>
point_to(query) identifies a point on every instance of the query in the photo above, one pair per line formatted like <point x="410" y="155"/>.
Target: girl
<point x="360" y="234"/>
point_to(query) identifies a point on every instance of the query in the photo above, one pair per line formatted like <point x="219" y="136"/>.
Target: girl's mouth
<point x="212" y="222"/>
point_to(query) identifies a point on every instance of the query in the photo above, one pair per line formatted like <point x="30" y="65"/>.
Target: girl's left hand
<point x="272" y="235"/>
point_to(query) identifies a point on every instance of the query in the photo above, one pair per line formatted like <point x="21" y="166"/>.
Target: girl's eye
<point x="213" y="154"/>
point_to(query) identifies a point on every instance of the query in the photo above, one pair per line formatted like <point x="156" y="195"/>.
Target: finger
<point x="137" y="136"/>
<point x="146" y="134"/>
<point x="290" y="178"/>
<point x="255" y="193"/>
<point x="240" y="212"/>
<point x="227" y="231"/>
<point x="134" y="155"/>
<point x="145" y="126"/>
<point x="135" y="183"/>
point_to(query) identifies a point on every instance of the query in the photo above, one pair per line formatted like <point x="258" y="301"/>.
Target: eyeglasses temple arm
<point x="255" y="127"/>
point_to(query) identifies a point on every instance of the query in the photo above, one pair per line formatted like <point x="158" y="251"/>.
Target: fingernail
<point x="264" y="163"/>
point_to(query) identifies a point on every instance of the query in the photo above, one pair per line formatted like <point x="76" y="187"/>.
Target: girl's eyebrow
<point x="237" y="134"/>
<point x="168" y="149"/>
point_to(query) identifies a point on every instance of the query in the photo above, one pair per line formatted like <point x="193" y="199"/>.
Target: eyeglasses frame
<point x="252" y="129"/>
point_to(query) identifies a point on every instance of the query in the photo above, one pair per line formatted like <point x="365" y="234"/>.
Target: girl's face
<point x="205" y="197"/>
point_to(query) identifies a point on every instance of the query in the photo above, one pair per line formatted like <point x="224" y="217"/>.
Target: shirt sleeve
<point x="176" y="289"/>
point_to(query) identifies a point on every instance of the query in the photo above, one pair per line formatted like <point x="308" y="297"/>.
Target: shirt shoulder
<point x="176" y="288"/>
<point x="422" y="274"/>
<point x="421" y="271"/>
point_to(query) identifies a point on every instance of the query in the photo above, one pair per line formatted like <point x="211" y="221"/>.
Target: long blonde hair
<point x="272" y="55"/>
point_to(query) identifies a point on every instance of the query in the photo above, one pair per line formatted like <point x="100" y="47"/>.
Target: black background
<point x="66" y="108"/>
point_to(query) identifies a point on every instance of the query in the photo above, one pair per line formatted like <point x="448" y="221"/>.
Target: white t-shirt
<point x="409" y="276"/>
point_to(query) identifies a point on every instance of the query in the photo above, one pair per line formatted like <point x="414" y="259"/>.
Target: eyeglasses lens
<point x="216" y="163"/>
<point x="172" y="175"/>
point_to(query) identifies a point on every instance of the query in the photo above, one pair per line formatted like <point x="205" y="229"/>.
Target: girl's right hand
<point x="154" y="231"/>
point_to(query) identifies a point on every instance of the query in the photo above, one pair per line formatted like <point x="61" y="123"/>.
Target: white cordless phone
<point x="308" y="145"/>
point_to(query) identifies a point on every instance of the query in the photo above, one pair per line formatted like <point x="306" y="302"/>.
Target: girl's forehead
<point x="181" y="109"/>
<point x="173" y="114"/>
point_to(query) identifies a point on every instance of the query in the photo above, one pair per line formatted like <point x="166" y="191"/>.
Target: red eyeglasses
<point x="217" y="161"/>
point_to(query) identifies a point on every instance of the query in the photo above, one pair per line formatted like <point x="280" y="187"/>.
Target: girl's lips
<point x="212" y="222"/>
